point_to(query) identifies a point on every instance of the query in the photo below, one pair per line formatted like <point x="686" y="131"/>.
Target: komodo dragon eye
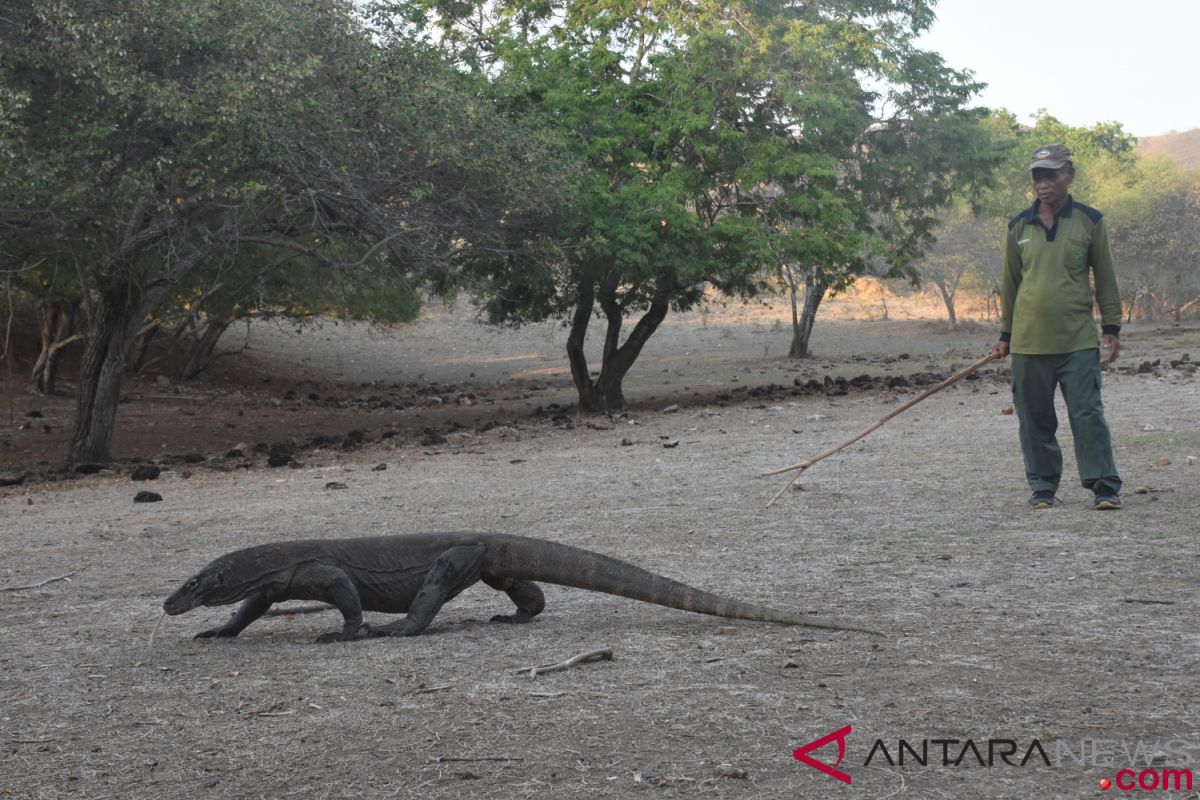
<point x="192" y="584"/>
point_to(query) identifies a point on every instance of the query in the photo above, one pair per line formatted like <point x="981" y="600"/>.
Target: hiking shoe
<point x="1108" y="502"/>
<point x="1043" y="499"/>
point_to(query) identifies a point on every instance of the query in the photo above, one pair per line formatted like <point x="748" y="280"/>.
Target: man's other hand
<point x="1113" y="345"/>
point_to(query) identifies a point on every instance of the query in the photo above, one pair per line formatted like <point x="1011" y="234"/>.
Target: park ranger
<point x="1055" y="250"/>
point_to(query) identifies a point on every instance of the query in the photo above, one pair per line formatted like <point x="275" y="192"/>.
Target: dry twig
<point x="803" y="465"/>
<point x="599" y="654"/>
<point x="40" y="584"/>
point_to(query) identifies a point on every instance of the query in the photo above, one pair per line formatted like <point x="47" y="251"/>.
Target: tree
<point x="719" y="139"/>
<point x="1156" y="240"/>
<point x="161" y="139"/>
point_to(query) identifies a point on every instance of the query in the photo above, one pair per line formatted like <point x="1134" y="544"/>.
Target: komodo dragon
<point x="419" y="573"/>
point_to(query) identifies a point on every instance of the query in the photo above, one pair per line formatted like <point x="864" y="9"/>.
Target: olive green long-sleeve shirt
<point x="1045" y="292"/>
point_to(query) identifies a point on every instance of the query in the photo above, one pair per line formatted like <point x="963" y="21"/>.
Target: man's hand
<point x="1000" y="349"/>
<point x="1113" y="345"/>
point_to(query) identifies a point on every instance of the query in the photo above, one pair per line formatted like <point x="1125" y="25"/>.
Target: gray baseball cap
<point x="1050" y="156"/>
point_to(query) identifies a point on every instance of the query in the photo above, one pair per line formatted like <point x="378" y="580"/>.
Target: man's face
<point x="1051" y="184"/>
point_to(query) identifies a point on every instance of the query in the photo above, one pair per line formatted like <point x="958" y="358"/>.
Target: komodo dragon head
<point x="210" y="586"/>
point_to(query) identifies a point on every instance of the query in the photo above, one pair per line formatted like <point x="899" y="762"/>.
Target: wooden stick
<point x="803" y="465"/>
<point x="39" y="584"/>
<point x="599" y="654"/>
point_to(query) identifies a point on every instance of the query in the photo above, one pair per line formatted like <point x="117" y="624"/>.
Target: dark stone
<point x="335" y="485"/>
<point x="379" y="468"/>
<point x="147" y="497"/>
<point x="193" y="458"/>
<point x="11" y="478"/>
<point x="279" y="455"/>
<point x="432" y="437"/>
<point x="33" y="413"/>
<point x="88" y="469"/>
<point x="898" y="382"/>
<point x="146" y="472"/>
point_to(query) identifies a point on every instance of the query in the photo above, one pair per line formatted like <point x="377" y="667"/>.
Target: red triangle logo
<point x="801" y="754"/>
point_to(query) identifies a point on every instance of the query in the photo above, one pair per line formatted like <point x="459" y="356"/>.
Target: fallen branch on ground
<point x="599" y="654"/>
<point x="803" y="465"/>
<point x="40" y="584"/>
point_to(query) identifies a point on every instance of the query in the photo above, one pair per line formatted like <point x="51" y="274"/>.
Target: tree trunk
<point x="100" y="383"/>
<point x="199" y="354"/>
<point x="589" y="397"/>
<point x="57" y="322"/>
<point x="814" y="292"/>
<point x="793" y="295"/>
<point x="948" y="299"/>
<point x="141" y="345"/>
<point x="606" y="393"/>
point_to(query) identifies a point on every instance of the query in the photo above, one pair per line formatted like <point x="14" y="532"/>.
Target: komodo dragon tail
<point x="549" y="562"/>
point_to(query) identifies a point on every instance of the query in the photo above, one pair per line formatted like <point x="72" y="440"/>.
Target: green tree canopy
<point x="156" y="141"/>
<point x="719" y="139"/>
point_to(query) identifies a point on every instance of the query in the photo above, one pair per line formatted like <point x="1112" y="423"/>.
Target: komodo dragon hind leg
<point x="452" y="571"/>
<point x="527" y="596"/>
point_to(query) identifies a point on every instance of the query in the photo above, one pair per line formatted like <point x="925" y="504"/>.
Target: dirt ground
<point x="1074" y="628"/>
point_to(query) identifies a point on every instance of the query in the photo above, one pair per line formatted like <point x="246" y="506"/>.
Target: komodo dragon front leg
<point x="251" y="609"/>
<point x="451" y="573"/>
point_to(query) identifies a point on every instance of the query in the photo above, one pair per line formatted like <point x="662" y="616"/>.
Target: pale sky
<point x="1084" y="61"/>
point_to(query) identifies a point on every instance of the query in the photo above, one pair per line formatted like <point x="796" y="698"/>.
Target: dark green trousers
<point x="1034" y="381"/>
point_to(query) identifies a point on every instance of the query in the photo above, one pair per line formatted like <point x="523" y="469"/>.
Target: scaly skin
<point x="417" y="574"/>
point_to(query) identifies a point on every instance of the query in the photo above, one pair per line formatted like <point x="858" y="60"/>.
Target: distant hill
<point x="1183" y="147"/>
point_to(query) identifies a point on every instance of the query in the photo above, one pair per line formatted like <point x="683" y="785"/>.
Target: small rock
<point x="379" y="468"/>
<point x="671" y="445"/>
<point x="147" y="497"/>
<point x="727" y="630"/>
<point x="1008" y="410"/>
<point x="334" y="485"/>
<point x="88" y="469"/>
<point x="146" y="472"/>
<point x="1163" y="462"/>
<point x="1142" y="490"/>
<point x="431" y="438"/>
<point x="11" y="478"/>
<point x="730" y="771"/>
<point x="671" y="409"/>
<point x="33" y="413"/>
<point x="278" y="459"/>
